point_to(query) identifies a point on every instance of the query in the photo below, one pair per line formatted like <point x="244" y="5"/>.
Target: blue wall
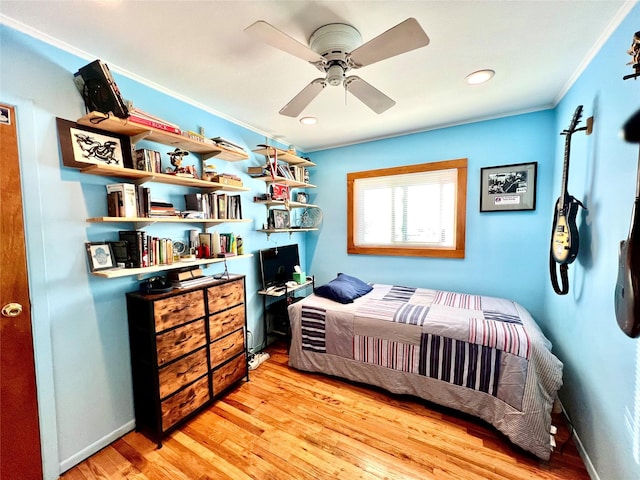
<point x="602" y="365"/>
<point x="502" y="248"/>
<point x="80" y="321"/>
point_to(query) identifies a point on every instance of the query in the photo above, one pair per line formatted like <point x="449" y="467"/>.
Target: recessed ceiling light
<point x="480" y="76"/>
<point x="308" y="120"/>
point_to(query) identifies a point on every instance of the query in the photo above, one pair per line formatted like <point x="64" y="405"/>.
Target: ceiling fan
<point x="337" y="48"/>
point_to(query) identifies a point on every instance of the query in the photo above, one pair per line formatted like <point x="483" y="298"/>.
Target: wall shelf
<point x="284" y="181"/>
<point x="269" y="231"/>
<point x="140" y="176"/>
<point x="280" y="203"/>
<point x="139" y="132"/>
<point x="285" y="156"/>
<point x="146" y="221"/>
<point x="128" y="272"/>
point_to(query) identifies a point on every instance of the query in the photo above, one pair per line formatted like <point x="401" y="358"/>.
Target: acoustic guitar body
<point x="627" y="293"/>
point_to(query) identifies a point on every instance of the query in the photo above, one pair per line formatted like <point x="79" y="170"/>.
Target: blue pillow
<point x="360" y="287"/>
<point x="343" y="289"/>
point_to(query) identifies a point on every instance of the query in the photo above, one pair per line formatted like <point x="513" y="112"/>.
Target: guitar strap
<point x="564" y="276"/>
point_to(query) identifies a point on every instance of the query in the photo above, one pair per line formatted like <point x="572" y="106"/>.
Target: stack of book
<point x="189" y="278"/>
<point x="137" y="249"/>
<point x="228" y="145"/>
<point x="143" y="118"/>
<point x="147" y="160"/>
<point x="128" y="200"/>
<point x="227" y="179"/>
<point x="162" y="209"/>
<point x="214" y="205"/>
<point x="262" y="171"/>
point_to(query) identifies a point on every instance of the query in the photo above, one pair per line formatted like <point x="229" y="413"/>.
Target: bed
<point x="477" y="354"/>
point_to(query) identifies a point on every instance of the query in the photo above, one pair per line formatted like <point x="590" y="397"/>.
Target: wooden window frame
<point x="457" y="251"/>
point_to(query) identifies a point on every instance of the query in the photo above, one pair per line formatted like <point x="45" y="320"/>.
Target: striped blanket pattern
<point x="463" y="338"/>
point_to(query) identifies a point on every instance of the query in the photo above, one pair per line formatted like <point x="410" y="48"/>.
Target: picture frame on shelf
<point x="279" y="191"/>
<point x="83" y="146"/>
<point x="100" y="256"/>
<point x="508" y="187"/>
<point x="280" y="219"/>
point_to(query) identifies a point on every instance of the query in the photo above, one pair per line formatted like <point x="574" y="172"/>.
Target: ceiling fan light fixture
<point x="308" y="120"/>
<point x="480" y="76"/>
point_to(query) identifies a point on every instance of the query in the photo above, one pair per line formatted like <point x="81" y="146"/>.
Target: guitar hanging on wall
<point x="627" y="292"/>
<point x="564" y="235"/>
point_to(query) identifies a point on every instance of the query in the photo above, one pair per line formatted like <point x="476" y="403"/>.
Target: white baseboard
<point x="581" y="450"/>
<point x="85" y="453"/>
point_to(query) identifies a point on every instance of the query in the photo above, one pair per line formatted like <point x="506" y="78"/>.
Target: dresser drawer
<point x="178" y="342"/>
<point x="226" y="347"/>
<point x="226" y="322"/>
<point x="173" y="311"/>
<point x="184" y="402"/>
<point x="229" y="374"/>
<point x="184" y="371"/>
<point x="225" y="295"/>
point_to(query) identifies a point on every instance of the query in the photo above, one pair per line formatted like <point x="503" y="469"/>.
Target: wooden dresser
<point x="187" y="348"/>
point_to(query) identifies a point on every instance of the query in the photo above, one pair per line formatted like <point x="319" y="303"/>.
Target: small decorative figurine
<point x="176" y="160"/>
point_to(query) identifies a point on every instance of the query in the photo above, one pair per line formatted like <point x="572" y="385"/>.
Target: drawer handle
<point x="229" y="347"/>
<point x="189" y="400"/>
<point x="183" y="338"/>
<point x="187" y="370"/>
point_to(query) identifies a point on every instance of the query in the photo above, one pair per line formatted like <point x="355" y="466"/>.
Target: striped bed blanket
<point x="482" y="355"/>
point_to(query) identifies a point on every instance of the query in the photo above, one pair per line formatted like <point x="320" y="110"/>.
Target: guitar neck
<point x="565" y="170"/>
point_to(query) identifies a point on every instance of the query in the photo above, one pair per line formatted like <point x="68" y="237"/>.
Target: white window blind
<point x="411" y="210"/>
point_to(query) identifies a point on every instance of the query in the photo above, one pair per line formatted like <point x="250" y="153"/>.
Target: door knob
<point x="11" y="310"/>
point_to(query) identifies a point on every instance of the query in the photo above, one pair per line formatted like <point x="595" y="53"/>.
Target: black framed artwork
<point x="82" y="146"/>
<point x="100" y="256"/>
<point x="508" y="187"/>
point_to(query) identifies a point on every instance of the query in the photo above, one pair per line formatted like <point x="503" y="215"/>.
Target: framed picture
<point x="280" y="218"/>
<point x="508" y="187"/>
<point x="82" y="146"/>
<point x="279" y="191"/>
<point x="100" y="256"/>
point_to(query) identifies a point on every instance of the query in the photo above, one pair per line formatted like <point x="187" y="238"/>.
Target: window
<point x="413" y="210"/>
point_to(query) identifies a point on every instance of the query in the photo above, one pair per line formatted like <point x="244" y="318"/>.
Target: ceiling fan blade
<point x="402" y="38"/>
<point x="368" y="94"/>
<point x="302" y="99"/>
<point x="270" y="35"/>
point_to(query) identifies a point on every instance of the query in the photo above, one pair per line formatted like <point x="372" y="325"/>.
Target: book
<point x="142" y="118"/>
<point x="193" y="201"/>
<point x="192" y="282"/>
<point x="121" y="255"/>
<point x="228" y="144"/>
<point x="146" y="160"/>
<point x="129" y="199"/>
<point x="181" y="276"/>
<point x="114" y="204"/>
<point x="133" y="238"/>
<point x="153" y="124"/>
<point x="205" y="250"/>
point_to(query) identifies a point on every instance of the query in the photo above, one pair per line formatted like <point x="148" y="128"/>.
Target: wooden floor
<point x="286" y="424"/>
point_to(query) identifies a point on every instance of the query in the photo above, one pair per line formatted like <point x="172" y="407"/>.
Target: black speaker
<point x="99" y="91"/>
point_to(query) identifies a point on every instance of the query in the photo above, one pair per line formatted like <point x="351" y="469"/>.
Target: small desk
<point x="275" y="301"/>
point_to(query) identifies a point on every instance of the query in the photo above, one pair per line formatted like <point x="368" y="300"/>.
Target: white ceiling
<point x="198" y="51"/>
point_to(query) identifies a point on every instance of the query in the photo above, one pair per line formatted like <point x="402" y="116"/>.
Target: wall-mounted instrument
<point x="564" y="235"/>
<point x="634" y="51"/>
<point x="627" y="293"/>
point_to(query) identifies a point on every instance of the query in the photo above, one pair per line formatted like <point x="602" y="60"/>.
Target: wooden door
<point x="19" y="426"/>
